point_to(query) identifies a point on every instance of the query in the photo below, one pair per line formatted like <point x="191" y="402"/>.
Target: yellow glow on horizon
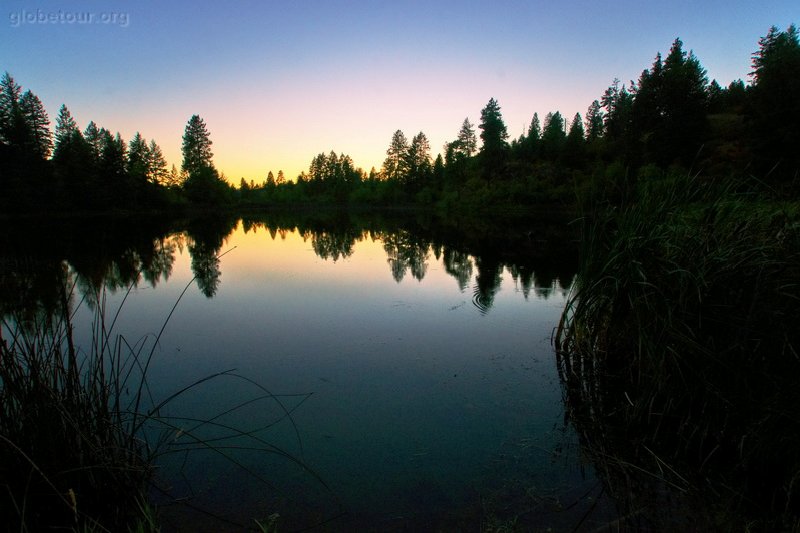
<point x="272" y="125"/>
<point x="291" y="254"/>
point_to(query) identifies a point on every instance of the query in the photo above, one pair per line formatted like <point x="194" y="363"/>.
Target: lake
<point x="370" y="372"/>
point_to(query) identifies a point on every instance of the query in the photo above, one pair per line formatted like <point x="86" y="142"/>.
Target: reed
<point x="678" y="350"/>
<point x="80" y="432"/>
<point x="69" y="455"/>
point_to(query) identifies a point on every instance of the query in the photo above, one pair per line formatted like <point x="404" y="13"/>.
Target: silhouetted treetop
<point x="494" y="135"/>
<point x="468" y="143"/>
<point x="36" y="136"/>
<point x="395" y="166"/>
<point x="493" y="129"/>
<point x="775" y="111"/>
<point x="197" y="156"/>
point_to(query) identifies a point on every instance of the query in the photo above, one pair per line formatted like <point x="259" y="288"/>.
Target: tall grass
<point x="69" y="456"/>
<point x="679" y="350"/>
<point x="80" y="432"/>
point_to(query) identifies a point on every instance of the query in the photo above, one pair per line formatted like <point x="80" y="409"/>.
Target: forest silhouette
<point x="670" y="121"/>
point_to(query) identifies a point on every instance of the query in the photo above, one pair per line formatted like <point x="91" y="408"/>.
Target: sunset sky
<point x="278" y="82"/>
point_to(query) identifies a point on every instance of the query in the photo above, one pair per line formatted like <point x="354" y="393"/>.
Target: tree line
<point x="670" y="120"/>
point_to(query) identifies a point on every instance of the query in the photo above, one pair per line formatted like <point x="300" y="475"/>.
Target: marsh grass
<point x="678" y="352"/>
<point x="70" y="456"/>
<point x="80" y="431"/>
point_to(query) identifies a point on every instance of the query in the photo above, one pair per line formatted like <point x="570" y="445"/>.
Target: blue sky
<point x="278" y="82"/>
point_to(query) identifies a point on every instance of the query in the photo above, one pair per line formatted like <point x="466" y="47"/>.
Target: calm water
<point x="393" y="375"/>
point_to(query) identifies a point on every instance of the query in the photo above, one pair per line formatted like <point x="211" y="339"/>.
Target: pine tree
<point x="594" y="122"/>
<point x="174" y="179"/>
<point x="197" y="156"/>
<point x="493" y="134"/>
<point x="533" y="139"/>
<point x="648" y="112"/>
<point x="617" y="102"/>
<point x="137" y="163"/>
<point x="553" y="136"/>
<point x="112" y="161"/>
<point x="466" y="138"/>
<point x="66" y="127"/>
<point x="574" y="146"/>
<point x="684" y="107"/>
<point x="395" y="167"/>
<point x="156" y="165"/>
<point x="438" y="172"/>
<point x="92" y="136"/>
<point x="418" y="162"/>
<point x="775" y="111"/>
<point x="39" y="138"/>
<point x="12" y="129"/>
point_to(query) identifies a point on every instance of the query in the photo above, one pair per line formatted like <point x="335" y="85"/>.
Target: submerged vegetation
<point x="679" y="355"/>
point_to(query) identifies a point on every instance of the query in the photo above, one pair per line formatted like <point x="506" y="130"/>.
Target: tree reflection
<point x="206" y="237"/>
<point x="33" y="288"/>
<point x="119" y="254"/>
<point x="523" y="277"/>
<point x="459" y="265"/>
<point x="335" y="245"/>
<point x="487" y="283"/>
<point x="110" y="256"/>
<point x="406" y="252"/>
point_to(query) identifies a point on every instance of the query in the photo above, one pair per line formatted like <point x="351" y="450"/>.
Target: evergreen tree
<point x="468" y="143"/>
<point x="92" y="136"/>
<point x="316" y="170"/>
<point x="197" y="156"/>
<point x="39" y="138"/>
<point x="715" y="95"/>
<point x="66" y="127"/>
<point x="438" y="173"/>
<point x="617" y="102"/>
<point x="73" y="164"/>
<point x="156" y="165"/>
<point x="648" y="112"/>
<point x="493" y="134"/>
<point x="684" y="103"/>
<point x="553" y="136"/>
<point x="594" y="121"/>
<point x="533" y="139"/>
<point x="12" y="125"/>
<point x="395" y="167"/>
<point x="775" y="108"/>
<point x="113" y="162"/>
<point x="574" y="146"/>
<point x="203" y="185"/>
<point x="418" y="162"/>
<point x="464" y="145"/>
<point x="137" y="163"/>
<point x="735" y="97"/>
<point x="174" y="178"/>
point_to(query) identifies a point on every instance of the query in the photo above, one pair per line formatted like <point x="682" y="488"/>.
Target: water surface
<point x="410" y="366"/>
